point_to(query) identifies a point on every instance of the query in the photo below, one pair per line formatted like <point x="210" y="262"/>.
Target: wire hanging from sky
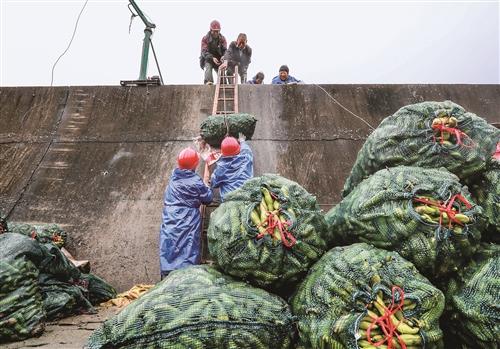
<point x="67" y="48"/>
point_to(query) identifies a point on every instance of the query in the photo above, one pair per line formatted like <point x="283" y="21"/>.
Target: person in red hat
<point x="213" y="48"/>
<point x="234" y="167"/>
<point x="180" y="231"/>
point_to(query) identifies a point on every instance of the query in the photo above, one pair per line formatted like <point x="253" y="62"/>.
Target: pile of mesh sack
<point x="363" y="297"/>
<point x="197" y="307"/>
<point x="472" y="319"/>
<point x="60" y="287"/>
<point x="269" y="232"/>
<point x="425" y="215"/>
<point x="428" y="134"/>
<point x="216" y="127"/>
<point x="22" y="313"/>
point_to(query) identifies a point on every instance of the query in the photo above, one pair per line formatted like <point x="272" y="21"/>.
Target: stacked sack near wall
<point x="269" y="232"/>
<point x="360" y="296"/>
<point x="198" y="307"/>
<point x="424" y="214"/>
<point x="428" y="134"/>
<point x="43" y="283"/>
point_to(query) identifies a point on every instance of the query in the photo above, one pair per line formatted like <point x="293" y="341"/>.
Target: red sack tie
<point x="459" y="134"/>
<point x="386" y="324"/>
<point x="287" y="239"/>
<point x="447" y="208"/>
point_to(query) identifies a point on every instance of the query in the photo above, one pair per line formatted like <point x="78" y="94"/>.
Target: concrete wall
<point x="96" y="160"/>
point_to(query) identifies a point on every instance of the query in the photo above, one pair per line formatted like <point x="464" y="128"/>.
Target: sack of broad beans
<point x="269" y="232"/>
<point x="42" y="233"/>
<point x="196" y="308"/>
<point x="363" y="297"/>
<point x="22" y="313"/>
<point x="214" y="128"/>
<point x="425" y="215"/>
<point x="486" y="191"/>
<point x="428" y="134"/>
<point x="472" y="319"/>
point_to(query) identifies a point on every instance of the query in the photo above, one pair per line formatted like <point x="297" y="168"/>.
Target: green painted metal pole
<point x="145" y="54"/>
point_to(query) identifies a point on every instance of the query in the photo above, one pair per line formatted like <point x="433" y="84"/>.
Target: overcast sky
<point x="321" y="41"/>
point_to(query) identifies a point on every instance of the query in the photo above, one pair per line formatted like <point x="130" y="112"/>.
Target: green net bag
<point x="42" y="233"/>
<point x="21" y="309"/>
<point x="196" y="308"/>
<point x="424" y="214"/>
<point x="363" y="297"/>
<point x="270" y="231"/>
<point x="98" y="290"/>
<point x="428" y="134"/>
<point x="214" y="128"/>
<point x="486" y="192"/>
<point x="473" y="314"/>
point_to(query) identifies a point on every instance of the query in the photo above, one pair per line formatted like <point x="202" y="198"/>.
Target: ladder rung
<point x="226" y="99"/>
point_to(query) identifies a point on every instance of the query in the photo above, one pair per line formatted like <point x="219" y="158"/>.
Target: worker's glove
<point x="241" y="137"/>
<point x="223" y="66"/>
<point x="205" y="152"/>
<point x="199" y="143"/>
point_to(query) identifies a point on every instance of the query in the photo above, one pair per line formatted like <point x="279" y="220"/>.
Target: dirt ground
<point x="68" y="333"/>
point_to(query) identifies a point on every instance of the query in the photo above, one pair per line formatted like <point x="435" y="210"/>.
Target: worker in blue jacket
<point x="180" y="232"/>
<point x="284" y="78"/>
<point x="234" y="167"/>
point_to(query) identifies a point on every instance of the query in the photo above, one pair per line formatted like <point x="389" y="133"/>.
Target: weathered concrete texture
<point x="96" y="159"/>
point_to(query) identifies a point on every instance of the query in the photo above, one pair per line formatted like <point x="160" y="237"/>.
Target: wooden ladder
<point x="225" y="103"/>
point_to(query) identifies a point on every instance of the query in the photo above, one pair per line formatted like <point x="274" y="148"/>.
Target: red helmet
<point x="215" y="25"/>
<point x="188" y="159"/>
<point x="230" y="146"/>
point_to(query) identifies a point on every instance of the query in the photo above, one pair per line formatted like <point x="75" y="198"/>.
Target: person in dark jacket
<point x="213" y="48"/>
<point x="180" y="232"/>
<point x="238" y="54"/>
<point x="284" y="78"/>
<point x="257" y="79"/>
<point x="234" y="167"/>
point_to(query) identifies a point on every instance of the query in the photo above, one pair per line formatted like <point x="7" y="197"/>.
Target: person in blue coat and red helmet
<point x="180" y="232"/>
<point x="234" y="167"/>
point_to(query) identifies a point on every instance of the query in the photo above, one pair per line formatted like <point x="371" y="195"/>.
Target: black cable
<point x="67" y="48"/>
<point x="156" y="60"/>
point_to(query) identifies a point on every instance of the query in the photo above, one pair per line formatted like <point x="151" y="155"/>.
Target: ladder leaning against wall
<point x="225" y="103"/>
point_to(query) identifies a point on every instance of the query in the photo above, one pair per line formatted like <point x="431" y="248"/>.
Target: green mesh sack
<point x="21" y="307"/>
<point x="270" y="242"/>
<point x="63" y="298"/>
<point x="412" y="137"/>
<point x="214" y="128"/>
<point x="473" y="316"/>
<point x="360" y="296"/>
<point x="424" y="214"/>
<point x="196" y="308"/>
<point x="98" y="290"/>
<point x="486" y="192"/>
<point x="42" y="233"/>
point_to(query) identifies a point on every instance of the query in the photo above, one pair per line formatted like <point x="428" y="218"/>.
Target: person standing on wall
<point x="238" y="54"/>
<point x="213" y="48"/>
<point x="180" y="232"/>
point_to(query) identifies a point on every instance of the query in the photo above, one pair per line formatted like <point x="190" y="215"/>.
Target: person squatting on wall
<point x="180" y="232"/>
